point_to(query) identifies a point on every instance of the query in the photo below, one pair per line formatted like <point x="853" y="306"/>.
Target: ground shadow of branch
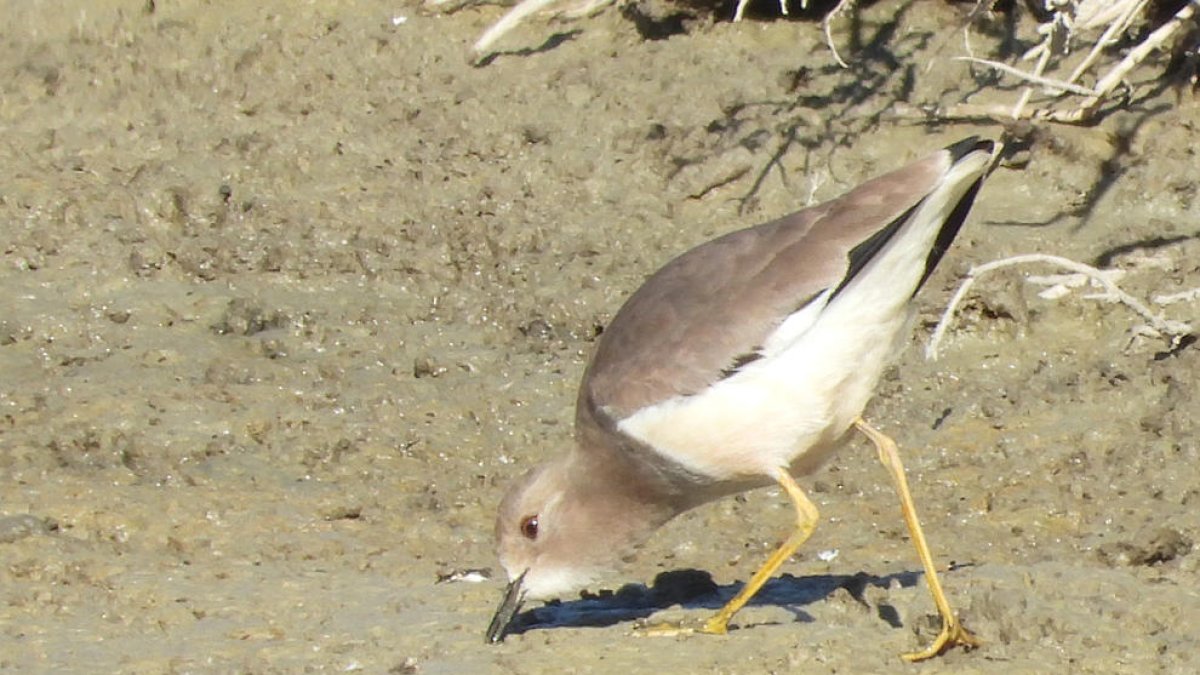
<point x="860" y="98"/>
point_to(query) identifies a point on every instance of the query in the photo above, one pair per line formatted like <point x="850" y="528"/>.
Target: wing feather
<point x="707" y="311"/>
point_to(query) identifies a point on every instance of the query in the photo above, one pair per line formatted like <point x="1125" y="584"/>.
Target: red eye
<point x="529" y="527"/>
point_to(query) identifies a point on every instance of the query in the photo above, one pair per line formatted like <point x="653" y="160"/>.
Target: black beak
<point x="509" y="606"/>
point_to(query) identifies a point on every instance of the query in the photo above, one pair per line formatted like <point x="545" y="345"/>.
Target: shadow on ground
<point x="695" y="589"/>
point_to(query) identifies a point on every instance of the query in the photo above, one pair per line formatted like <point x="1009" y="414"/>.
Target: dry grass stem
<point x="842" y="7"/>
<point x="1049" y="83"/>
<point x="1110" y="35"/>
<point x="1182" y="296"/>
<point x="1160" y="325"/>
<point x="1069" y="19"/>
<point x="506" y="23"/>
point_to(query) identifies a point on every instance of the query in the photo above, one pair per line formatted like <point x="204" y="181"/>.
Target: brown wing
<point x="713" y="306"/>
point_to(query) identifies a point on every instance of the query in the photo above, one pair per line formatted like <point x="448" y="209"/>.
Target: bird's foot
<point x="953" y="634"/>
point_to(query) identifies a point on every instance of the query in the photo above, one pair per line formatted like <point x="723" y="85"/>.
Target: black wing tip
<point x="949" y="231"/>
<point x="968" y="145"/>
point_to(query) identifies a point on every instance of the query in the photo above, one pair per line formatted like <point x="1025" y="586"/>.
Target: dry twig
<point x="506" y="23"/>
<point x="1175" y="330"/>
<point x="1071" y="17"/>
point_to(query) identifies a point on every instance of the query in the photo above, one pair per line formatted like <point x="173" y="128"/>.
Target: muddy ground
<point x="292" y="291"/>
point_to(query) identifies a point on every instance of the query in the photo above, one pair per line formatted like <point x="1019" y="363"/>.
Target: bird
<point x="744" y="362"/>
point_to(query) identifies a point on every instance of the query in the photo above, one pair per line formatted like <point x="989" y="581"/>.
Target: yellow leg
<point x="953" y="633"/>
<point x="806" y="522"/>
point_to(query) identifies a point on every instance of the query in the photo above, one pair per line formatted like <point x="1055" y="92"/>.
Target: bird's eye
<point x="529" y="527"/>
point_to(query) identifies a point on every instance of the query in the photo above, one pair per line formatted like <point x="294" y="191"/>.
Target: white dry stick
<point x="842" y="7"/>
<point x="1116" y="27"/>
<point x="1182" y="296"/>
<point x="740" y="10"/>
<point x="814" y="184"/>
<point x="1139" y="53"/>
<point x="1089" y="14"/>
<point x="981" y="7"/>
<point x="1043" y="60"/>
<point x="1110" y="81"/>
<point x="783" y="8"/>
<point x="1156" y="321"/>
<point x="1057" y="30"/>
<point x="1030" y="77"/>
<point x="1100" y="13"/>
<point x="507" y="23"/>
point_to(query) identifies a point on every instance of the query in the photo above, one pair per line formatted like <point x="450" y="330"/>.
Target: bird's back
<point x="776" y="335"/>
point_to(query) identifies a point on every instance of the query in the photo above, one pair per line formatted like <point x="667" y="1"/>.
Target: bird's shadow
<point x="695" y="589"/>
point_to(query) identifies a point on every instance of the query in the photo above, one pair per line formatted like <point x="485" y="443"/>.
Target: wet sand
<point x="292" y="292"/>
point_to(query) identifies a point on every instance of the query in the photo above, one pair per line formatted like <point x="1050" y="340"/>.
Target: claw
<point x="953" y="634"/>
